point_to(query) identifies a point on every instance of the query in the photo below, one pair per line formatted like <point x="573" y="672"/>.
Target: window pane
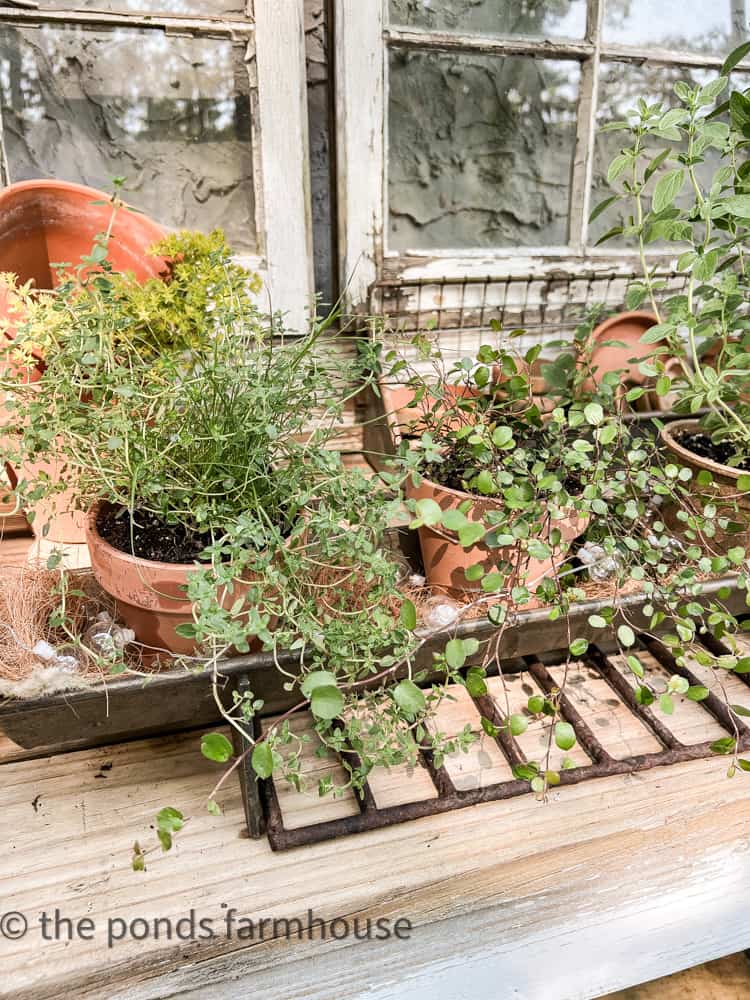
<point x="480" y="150"/>
<point x="620" y="86"/>
<point x="676" y="24"/>
<point x="551" y="18"/>
<point x="172" y="115"/>
<point x="220" y="8"/>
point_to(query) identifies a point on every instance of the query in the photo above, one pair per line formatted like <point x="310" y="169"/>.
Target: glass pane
<point x="172" y="115"/>
<point x="480" y="150"/>
<point x="676" y="24"/>
<point x="620" y="86"/>
<point x="550" y="18"/>
<point x="220" y="8"/>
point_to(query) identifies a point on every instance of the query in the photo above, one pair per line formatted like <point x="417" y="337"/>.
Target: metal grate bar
<point x="504" y="740"/>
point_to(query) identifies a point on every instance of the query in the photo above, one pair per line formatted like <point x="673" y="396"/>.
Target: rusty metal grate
<point x="264" y="812"/>
<point x="551" y="305"/>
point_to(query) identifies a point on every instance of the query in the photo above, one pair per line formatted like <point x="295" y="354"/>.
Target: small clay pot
<point x="627" y="327"/>
<point x="724" y="484"/>
<point x="408" y="420"/>
<point x="56" y="519"/>
<point x="150" y="597"/>
<point x="446" y="560"/>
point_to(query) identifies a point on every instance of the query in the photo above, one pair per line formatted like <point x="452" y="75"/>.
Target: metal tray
<point x="178" y="699"/>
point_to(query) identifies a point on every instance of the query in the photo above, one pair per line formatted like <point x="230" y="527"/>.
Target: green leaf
<point x="724" y="746"/>
<point x="454" y="519"/>
<point x="606" y="435"/>
<point x="169" y="820"/>
<point x="741" y="710"/>
<point x="409" y="615"/>
<point x="215" y="746"/>
<point x="493" y="582"/>
<point x="697" y="693"/>
<point x="667" y="189"/>
<point x="635" y="665"/>
<point x="602" y="207"/>
<point x="596" y="621"/>
<point x="537" y="784"/>
<point x="475" y="572"/>
<point x="656" y="163"/>
<point x="485" y="483"/>
<point x="565" y="736"/>
<point x="316" y="679"/>
<point x="644" y="696"/>
<point x="490" y="728"/>
<point x="518" y="724"/>
<point x="663" y="385"/>
<point x="535" y="704"/>
<point x="578" y="647"/>
<point x="739" y="205"/>
<point x="213" y="807"/>
<point x="429" y="512"/>
<point x="475" y="683"/>
<point x="262" y="760"/>
<point x="626" y="635"/>
<point x="617" y="166"/>
<point x="593" y="413"/>
<point x="666" y="704"/>
<point x="735" y="56"/>
<point x="186" y="630"/>
<point x="326" y="702"/>
<point x="455" y="654"/>
<point x="502" y="437"/>
<point x="470" y="534"/>
<point x="525" y="772"/>
<point x="409" y="698"/>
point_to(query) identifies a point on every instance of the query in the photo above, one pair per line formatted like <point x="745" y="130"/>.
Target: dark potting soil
<point x="458" y="465"/>
<point x="718" y="451"/>
<point x="151" y="538"/>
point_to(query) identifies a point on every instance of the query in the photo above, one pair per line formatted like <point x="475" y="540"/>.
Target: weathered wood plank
<point x="557" y="879"/>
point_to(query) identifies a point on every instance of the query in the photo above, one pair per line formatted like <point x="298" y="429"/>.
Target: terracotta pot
<point x="150" y="597"/>
<point x="724" y="486"/>
<point x="627" y="327"/>
<point x="445" y="559"/>
<point x="45" y="222"/>
<point x="406" y="420"/>
<point x="65" y="524"/>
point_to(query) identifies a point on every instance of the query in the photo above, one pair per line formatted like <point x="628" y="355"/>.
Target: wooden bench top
<point x="612" y="882"/>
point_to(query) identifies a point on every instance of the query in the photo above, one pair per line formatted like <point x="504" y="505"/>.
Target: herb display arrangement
<point x="202" y="438"/>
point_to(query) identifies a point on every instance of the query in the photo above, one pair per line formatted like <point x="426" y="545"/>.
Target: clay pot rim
<point x="494" y="501"/>
<point x="631" y="314"/>
<point x="694" y="426"/>
<point x="92" y="532"/>
<point x="91" y="194"/>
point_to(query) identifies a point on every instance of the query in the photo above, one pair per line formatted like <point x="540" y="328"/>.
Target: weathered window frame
<point x="275" y="57"/>
<point x="363" y="38"/>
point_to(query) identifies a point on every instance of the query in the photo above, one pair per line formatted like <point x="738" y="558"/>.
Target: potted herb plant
<point x="682" y="176"/>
